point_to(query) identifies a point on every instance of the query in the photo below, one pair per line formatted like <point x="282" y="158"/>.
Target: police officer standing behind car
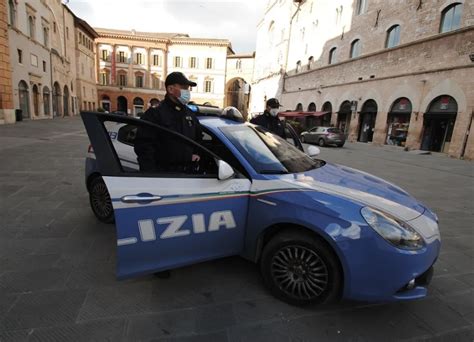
<point x="158" y="151"/>
<point x="269" y="119"/>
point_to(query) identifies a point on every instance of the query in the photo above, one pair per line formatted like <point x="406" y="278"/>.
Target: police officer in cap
<point x="269" y="119"/>
<point x="158" y="151"/>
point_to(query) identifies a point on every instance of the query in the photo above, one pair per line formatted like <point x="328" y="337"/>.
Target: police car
<point x="318" y="231"/>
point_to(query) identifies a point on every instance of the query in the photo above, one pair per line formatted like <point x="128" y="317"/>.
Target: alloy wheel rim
<point x="300" y="272"/>
<point x="101" y="200"/>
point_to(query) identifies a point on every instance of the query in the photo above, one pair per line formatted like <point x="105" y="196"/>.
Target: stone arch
<point x="36" y="100"/>
<point x="24" y="99"/>
<point x="57" y="108"/>
<point x="237" y="94"/>
<point x="66" y="101"/>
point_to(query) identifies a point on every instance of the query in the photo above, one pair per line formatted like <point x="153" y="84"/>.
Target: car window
<point x="144" y="149"/>
<point x="267" y="152"/>
<point x="334" y="130"/>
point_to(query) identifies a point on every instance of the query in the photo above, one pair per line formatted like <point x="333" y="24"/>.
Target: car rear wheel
<point x="303" y="139"/>
<point x="300" y="269"/>
<point x="100" y="201"/>
<point x="340" y="145"/>
<point x="321" y="142"/>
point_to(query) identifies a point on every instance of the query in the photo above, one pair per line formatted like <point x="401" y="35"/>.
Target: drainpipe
<point x="289" y="41"/>
<point x="466" y="136"/>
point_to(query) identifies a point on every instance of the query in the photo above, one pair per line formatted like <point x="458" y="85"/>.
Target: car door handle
<point x="140" y="198"/>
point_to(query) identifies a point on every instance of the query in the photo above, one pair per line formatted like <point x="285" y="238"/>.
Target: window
<point x="208" y="86"/>
<point x="44" y="66"/>
<point x="332" y="55"/>
<point x="310" y="62"/>
<point x="54" y="27"/>
<point x="45" y="36"/>
<point x="451" y="18"/>
<point x="355" y="48"/>
<point x="177" y="62"/>
<point x="156" y="81"/>
<point x="298" y="66"/>
<point x="209" y="63"/>
<point x="104" y="78"/>
<point x="139" y="81"/>
<point x="105" y="55"/>
<point x="361" y="6"/>
<point x="139" y="58"/>
<point x="31" y="27"/>
<point x="156" y="60"/>
<point x="12" y="12"/>
<point x="20" y="56"/>
<point x="34" y="60"/>
<point x="393" y="36"/>
<point x="238" y="64"/>
<point x="193" y="62"/>
<point x="122" y="78"/>
<point x="67" y="32"/>
<point x="121" y="57"/>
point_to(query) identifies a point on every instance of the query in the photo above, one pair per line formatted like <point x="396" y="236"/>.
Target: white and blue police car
<point x="319" y="231"/>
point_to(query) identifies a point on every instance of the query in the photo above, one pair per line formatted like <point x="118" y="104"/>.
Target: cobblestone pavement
<point x="57" y="262"/>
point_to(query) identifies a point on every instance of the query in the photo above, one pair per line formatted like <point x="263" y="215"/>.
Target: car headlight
<point x="394" y="231"/>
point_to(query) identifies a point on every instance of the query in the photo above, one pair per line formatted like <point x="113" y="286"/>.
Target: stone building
<point x="397" y="73"/>
<point x="86" y="80"/>
<point x="239" y="76"/>
<point x="132" y="66"/>
<point x="42" y="58"/>
<point x="7" y="114"/>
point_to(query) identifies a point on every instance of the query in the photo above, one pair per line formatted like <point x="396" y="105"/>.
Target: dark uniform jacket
<point x="159" y="151"/>
<point x="271" y="123"/>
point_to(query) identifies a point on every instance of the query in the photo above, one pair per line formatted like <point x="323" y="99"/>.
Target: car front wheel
<point x="321" y="142"/>
<point x="100" y="201"/>
<point x="300" y="269"/>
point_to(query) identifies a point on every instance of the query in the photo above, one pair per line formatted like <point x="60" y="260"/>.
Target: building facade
<point x="7" y="114"/>
<point x="385" y="72"/>
<point x="86" y="80"/>
<point x="132" y="67"/>
<point x="239" y="75"/>
<point x="43" y="58"/>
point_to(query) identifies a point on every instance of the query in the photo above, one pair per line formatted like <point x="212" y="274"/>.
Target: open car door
<point x="165" y="220"/>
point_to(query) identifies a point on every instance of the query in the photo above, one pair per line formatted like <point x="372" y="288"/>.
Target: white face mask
<point x="274" y="111"/>
<point x="185" y="96"/>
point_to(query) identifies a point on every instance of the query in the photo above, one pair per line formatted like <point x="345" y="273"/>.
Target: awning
<point x="301" y="114"/>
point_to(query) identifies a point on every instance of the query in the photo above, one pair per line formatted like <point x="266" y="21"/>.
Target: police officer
<point x="269" y="118"/>
<point x="158" y="151"/>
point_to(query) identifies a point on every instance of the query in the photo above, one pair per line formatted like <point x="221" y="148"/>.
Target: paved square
<point x="57" y="262"/>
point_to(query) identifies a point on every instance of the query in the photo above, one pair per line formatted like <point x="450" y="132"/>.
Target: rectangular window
<point x="156" y="60"/>
<point x="156" y="82"/>
<point x="177" y="62"/>
<point x="84" y="106"/>
<point x="139" y="81"/>
<point x="139" y="58"/>
<point x="208" y="86"/>
<point x="34" y="60"/>
<point x="105" y="55"/>
<point x="104" y="79"/>
<point x="209" y="63"/>
<point x="193" y="62"/>
<point x="121" y="57"/>
<point x="122" y="80"/>
<point x="44" y="66"/>
<point x="20" y="56"/>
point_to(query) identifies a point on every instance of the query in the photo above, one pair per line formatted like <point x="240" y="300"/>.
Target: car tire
<point x="340" y="145"/>
<point x="100" y="201"/>
<point x="302" y="139"/>
<point x="300" y="269"/>
<point x="321" y="142"/>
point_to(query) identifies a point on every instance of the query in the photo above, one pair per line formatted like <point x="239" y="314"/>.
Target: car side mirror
<point x="313" y="151"/>
<point x="225" y="170"/>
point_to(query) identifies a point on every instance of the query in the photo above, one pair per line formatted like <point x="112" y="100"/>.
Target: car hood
<point x="358" y="186"/>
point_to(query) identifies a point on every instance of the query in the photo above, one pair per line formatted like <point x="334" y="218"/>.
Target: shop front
<point x="438" y="124"/>
<point x="398" y="122"/>
<point x="367" y="118"/>
<point x="344" y="117"/>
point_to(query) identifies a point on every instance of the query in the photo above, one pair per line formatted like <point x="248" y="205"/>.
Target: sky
<point x="235" y="20"/>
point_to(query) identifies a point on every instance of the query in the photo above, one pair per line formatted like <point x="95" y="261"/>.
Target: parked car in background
<point x="324" y="136"/>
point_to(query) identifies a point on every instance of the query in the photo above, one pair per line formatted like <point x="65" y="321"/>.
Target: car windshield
<point x="334" y="130"/>
<point x="267" y="152"/>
